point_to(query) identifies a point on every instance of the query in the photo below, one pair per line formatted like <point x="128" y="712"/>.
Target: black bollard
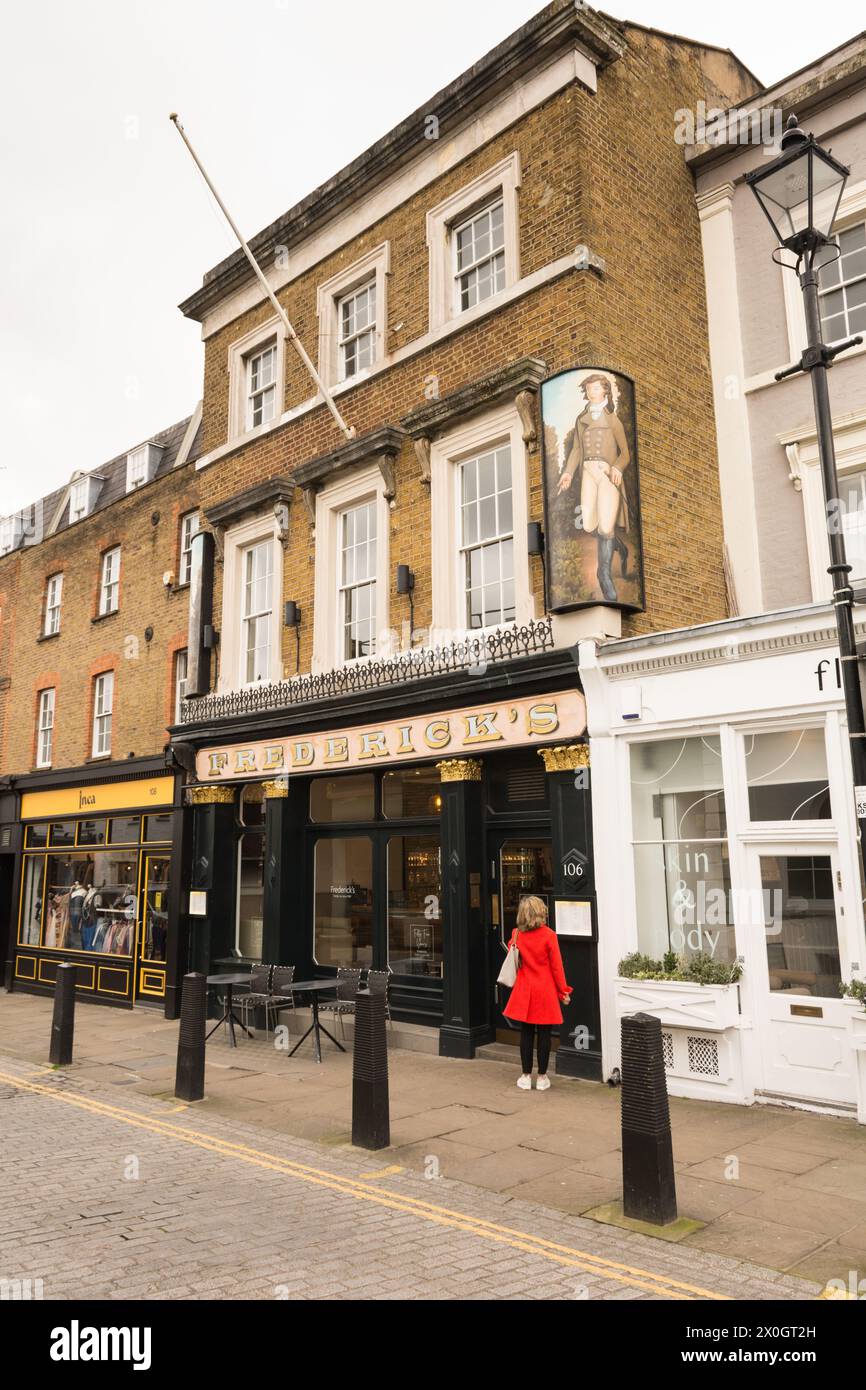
<point x="371" y="1127"/>
<point x="189" y="1078"/>
<point x="63" y="1020"/>
<point x="648" y="1187"/>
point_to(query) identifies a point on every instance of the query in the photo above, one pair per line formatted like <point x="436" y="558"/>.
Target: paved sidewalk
<point x="778" y="1188"/>
<point x="134" y="1197"/>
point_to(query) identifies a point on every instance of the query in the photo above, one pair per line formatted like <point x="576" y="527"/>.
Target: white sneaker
<point x="525" y="1083"/>
<point x="543" y="1083"/>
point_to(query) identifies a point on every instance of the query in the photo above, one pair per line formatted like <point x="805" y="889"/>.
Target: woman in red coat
<point x="540" y="986"/>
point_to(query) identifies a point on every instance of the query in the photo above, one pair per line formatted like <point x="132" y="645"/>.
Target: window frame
<point x="368" y="332"/>
<point x="448" y="452"/>
<point x="457" y="227"/>
<point x="373" y="268"/>
<point x="256" y="395"/>
<point x="80" y="487"/>
<point x="369" y="580"/>
<point x="362" y="485"/>
<point x="257" y="615"/>
<point x="186" y="537"/>
<point x="43" y="726"/>
<point x="109" y="583"/>
<point x="53" y="588"/>
<point x="180" y="682"/>
<point x="482" y="543"/>
<point x="500" y="182"/>
<point x="235" y="541"/>
<point x="842" y="285"/>
<point x="240" y="354"/>
<point x="102" y="682"/>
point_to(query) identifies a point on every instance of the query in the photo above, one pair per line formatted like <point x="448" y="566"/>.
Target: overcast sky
<point x="104" y="222"/>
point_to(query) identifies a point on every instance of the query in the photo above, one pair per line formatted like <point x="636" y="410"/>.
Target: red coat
<point x="540" y="979"/>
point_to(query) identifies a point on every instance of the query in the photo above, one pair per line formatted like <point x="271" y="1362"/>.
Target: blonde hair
<point x="531" y="913"/>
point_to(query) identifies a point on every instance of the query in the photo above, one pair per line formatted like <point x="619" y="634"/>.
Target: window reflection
<point x="344" y="901"/>
<point x="414" y="905"/>
<point x="800" y="924"/>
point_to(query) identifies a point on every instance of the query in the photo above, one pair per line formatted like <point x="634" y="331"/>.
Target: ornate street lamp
<point x="800" y="194"/>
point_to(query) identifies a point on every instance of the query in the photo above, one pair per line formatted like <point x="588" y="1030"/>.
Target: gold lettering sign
<point x="510" y="724"/>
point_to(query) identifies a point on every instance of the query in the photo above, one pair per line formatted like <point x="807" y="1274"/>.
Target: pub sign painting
<point x="591" y="491"/>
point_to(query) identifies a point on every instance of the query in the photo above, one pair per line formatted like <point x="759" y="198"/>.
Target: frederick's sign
<point x="447" y="734"/>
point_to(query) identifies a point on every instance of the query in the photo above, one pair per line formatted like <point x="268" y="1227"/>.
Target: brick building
<point x="389" y="723"/>
<point x="94" y="581"/>
<point x="384" y="740"/>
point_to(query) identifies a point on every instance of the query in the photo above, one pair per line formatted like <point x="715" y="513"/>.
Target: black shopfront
<point x="457" y="796"/>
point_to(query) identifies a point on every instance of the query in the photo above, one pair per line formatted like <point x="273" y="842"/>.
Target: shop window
<point x="63" y="832"/>
<point x="251" y="807"/>
<point x="336" y="799"/>
<point x="787" y="776"/>
<point x="681" y="863"/>
<point x="155" y="907"/>
<point x="251" y="894"/>
<point x="157" y="829"/>
<point x="91" y="832"/>
<point x="411" y="792"/>
<point x="32" y="899"/>
<point x="801" y="933"/>
<point x="36" y="835"/>
<point x="414" y="905"/>
<point x="124" y="830"/>
<point x="90" y="902"/>
<point x="343" y="920"/>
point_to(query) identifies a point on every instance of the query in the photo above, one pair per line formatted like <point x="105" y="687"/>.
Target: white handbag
<point x="510" y="966"/>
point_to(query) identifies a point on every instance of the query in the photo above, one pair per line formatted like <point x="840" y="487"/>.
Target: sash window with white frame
<point x="479" y="256"/>
<point x="842" y="286"/>
<point x="487" y="538"/>
<point x="79" y="497"/>
<point x="357" y="580"/>
<point x="190" y="524"/>
<point x="261" y="386"/>
<point x="357" y="329"/>
<point x="53" y="600"/>
<point x="180" y="680"/>
<point x="103" y="702"/>
<point x="45" y="728"/>
<point x="256" y="612"/>
<point x="109" y="591"/>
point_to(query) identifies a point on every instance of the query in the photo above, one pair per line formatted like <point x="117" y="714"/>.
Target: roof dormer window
<point x="141" y="465"/>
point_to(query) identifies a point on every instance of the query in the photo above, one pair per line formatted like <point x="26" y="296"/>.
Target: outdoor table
<point x="314" y="988"/>
<point x="229" y="1016"/>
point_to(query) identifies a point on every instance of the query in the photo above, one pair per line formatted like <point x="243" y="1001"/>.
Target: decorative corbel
<point x="422" y="453"/>
<point x="525" y="402"/>
<point x="309" y="495"/>
<point x="795" y="474"/>
<point x="219" y="541"/>
<point x="389" y="477"/>
<point x="281" y="512"/>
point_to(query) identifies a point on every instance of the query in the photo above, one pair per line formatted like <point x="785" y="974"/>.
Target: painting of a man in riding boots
<point x="591" y="493"/>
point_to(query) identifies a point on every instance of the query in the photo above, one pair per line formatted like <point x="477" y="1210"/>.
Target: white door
<point x="795" y="962"/>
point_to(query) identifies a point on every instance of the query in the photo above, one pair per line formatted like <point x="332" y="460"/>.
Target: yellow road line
<point x="521" y="1240"/>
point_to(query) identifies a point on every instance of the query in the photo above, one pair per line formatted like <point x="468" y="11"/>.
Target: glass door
<point x="153" y="927"/>
<point x="518" y="867"/>
<point x="793" y="910"/>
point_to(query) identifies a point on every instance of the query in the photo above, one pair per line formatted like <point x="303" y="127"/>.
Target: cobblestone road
<point x="151" y="1199"/>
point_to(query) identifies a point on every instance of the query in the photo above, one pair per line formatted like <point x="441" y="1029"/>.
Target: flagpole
<point x="348" y="431"/>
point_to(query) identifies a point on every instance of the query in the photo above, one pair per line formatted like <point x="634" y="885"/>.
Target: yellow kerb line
<point x="442" y="1216"/>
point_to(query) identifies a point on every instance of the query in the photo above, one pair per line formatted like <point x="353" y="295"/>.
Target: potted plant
<point x="684" y="992"/>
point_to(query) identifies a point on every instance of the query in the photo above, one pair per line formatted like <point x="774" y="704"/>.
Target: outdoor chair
<point x="281" y="996"/>
<point x="377" y="983"/>
<point x="348" y="984"/>
<point x="258" y="994"/>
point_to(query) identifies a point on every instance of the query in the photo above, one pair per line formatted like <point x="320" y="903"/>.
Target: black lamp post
<point x="800" y="194"/>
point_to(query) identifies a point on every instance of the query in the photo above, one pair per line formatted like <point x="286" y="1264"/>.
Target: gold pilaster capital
<point x="566" y="757"/>
<point x="210" y="796"/>
<point x="460" y="770"/>
<point x="276" y="789"/>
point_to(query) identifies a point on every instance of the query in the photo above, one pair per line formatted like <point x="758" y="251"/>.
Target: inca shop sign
<point x="108" y="796"/>
<point x="446" y="735"/>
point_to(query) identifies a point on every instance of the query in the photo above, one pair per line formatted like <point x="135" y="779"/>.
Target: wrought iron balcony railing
<point x="471" y="654"/>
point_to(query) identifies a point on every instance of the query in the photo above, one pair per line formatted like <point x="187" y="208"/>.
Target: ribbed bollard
<point x="189" y="1079"/>
<point x="371" y="1128"/>
<point x="63" y="1019"/>
<point x="648" y="1187"/>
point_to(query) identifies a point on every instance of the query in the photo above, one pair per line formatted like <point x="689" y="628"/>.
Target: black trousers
<point x="527" y="1037"/>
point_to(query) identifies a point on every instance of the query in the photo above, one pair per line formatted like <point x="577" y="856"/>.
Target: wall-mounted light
<point x="292" y="618"/>
<point x="535" y="544"/>
<point x="406" y="586"/>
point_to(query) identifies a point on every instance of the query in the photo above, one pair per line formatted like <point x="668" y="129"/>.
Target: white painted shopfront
<point x="724" y="822"/>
